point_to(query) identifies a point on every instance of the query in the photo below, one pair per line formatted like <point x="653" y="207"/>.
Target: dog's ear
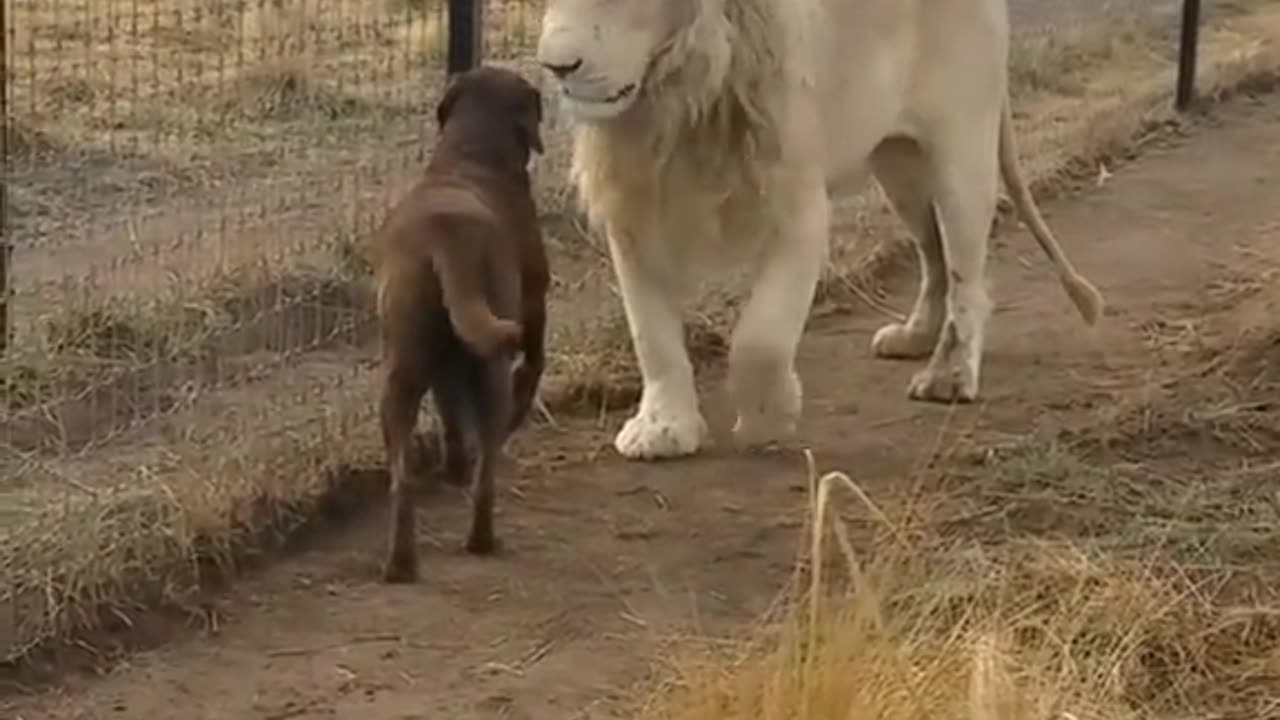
<point x="452" y="91"/>
<point x="530" y="120"/>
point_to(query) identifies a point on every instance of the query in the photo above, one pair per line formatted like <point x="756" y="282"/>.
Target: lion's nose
<point x="563" y="70"/>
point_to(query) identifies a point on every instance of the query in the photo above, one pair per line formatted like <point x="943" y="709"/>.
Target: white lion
<point x="712" y="131"/>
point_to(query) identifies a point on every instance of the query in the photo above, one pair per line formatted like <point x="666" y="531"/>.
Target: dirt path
<point x="606" y="559"/>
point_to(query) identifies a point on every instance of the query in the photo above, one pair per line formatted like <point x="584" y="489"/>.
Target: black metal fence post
<point x="1187" y="53"/>
<point x="466" y="35"/>
<point x="6" y="247"/>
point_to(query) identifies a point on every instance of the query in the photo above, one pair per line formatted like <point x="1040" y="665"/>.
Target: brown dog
<point x="462" y="278"/>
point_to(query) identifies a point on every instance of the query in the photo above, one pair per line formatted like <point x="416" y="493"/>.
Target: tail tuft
<point x="1085" y="296"/>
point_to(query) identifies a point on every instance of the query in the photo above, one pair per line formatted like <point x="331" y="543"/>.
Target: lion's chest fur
<point x="706" y="204"/>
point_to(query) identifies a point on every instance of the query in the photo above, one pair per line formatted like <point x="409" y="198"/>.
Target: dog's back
<point x="445" y="261"/>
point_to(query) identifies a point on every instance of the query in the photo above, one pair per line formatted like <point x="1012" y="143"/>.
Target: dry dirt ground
<point x="606" y="560"/>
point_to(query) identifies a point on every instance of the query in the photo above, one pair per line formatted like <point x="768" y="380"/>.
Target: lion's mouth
<point x="619" y="96"/>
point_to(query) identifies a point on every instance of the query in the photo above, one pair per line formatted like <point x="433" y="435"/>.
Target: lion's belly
<point x="863" y="70"/>
<point x="884" y="67"/>
<point x="852" y="127"/>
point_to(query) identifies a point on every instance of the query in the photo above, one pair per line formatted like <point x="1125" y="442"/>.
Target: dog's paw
<point x="651" y="435"/>
<point x="770" y="415"/>
<point x="457" y="472"/>
<point x="483" y="544"/>
<point x="400" y="568"/>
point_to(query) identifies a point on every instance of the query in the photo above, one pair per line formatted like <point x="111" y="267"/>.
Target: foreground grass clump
<point x="1126" y="571"/>
<point x="953" y="627"/>
<point x="893" y="638"/>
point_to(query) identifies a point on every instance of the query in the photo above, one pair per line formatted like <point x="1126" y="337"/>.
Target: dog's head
<point x="500" y="96"/>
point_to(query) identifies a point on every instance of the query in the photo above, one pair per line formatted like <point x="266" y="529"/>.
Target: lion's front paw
<point x="771" y="416"/>
<point x="952" y="382"/>
<point x="898" y="341"/>
<point x="651" y="435"/>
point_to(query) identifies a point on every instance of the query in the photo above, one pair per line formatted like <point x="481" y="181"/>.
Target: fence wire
<point x="190" y="184"/>
<point x="165" y="152"/>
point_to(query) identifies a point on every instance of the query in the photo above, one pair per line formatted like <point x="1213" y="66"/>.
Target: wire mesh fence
<point x="166" y="152"/>
<point x="189" y="186"/>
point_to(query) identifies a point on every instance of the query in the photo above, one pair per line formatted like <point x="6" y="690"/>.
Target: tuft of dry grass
<point x="940" y="621"/>
<point x="1063" y="62"/>
<point x="179" y="509"/>
<point x="905" y="635"/>
<point x="1123" y="571"/>
<point x="128" y="56"/>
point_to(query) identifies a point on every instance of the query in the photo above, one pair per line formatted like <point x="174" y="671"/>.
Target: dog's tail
<point x="469" y="313"/>
<point x="464" y="275"/>
<point x="1083" y="294"/>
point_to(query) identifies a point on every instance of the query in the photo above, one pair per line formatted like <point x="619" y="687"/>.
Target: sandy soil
<point x="606" y="559"/>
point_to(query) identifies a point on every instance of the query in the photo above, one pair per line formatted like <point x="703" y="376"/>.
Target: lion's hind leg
<point x="899" y="167"/>
<point x="965" y="174"/>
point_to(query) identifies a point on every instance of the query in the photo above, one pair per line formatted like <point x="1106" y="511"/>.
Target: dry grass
<point x="177" y="67"/>
<point x="909" y="635"/>
<point x="236" y="378"/>
<point x="245" y="111"/>
<point x="1030" y="631"/>
<point x="1125" y="573"/>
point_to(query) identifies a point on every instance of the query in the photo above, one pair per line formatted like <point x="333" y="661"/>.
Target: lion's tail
<point x="1083" y="294"/>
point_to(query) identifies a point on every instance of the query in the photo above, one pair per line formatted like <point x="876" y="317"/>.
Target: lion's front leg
<point x="668" y="422"/>
<point x="763" y="382"/>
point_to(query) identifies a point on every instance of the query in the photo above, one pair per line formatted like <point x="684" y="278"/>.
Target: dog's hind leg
<point x="529" y="373"/>
<point x="493" y="419"/>
<point x="402" y="393"/>
<point x="450" y="393"/>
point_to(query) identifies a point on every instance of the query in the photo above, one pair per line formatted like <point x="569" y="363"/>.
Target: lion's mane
<point x="705" y="132"/>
